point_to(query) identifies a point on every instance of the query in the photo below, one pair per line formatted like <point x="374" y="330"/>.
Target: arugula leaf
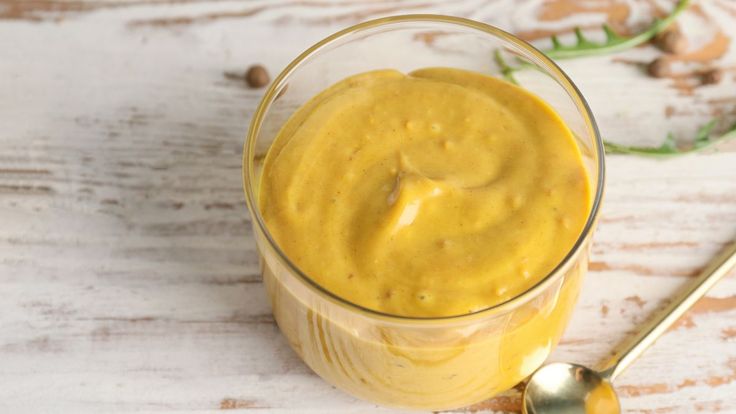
<point x="702" y="136"/>
<point x="614" y="42"/>
<point x="585" y="47"/>
<point x="669" y="148"/>
<point x="506" y="71"/>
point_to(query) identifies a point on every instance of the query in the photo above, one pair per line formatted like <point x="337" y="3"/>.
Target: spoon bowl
<point x="562" y="388"/>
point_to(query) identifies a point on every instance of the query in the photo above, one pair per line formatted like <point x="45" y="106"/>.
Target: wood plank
<point x="128" y="273"/>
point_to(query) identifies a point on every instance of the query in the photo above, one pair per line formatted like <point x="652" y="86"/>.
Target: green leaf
<point x="610" y="34"/>
<point x="556" y="42"/>
<point x="702" y="136"/>
<point x="669" y="148"/>
<point x="506" y="70"/>
<point x="584" y="47"/>
<point x="669" y="143"/>
<point x="580" y="36"/>
<point x="614" y="42"/>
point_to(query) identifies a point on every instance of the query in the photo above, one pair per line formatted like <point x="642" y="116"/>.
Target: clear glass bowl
<point x="421" y="363"/>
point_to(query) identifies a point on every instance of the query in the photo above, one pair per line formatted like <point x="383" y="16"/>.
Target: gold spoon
<point x="563" y="388"/>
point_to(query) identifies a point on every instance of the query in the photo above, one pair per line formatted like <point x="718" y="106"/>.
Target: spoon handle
<point x="634" y="347"/>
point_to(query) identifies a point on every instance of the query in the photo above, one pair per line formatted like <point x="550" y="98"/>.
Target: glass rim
<point x="561" y="77"/>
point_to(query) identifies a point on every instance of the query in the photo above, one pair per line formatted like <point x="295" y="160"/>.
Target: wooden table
<point x="128" y="277"/>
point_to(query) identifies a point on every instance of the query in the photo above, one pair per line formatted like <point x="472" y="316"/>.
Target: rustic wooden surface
<point x="128" y="276"/>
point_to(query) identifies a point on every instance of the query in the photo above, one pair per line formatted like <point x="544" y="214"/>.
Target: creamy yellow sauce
<point x="602" y="400"/>
<point x="436" y="193"/>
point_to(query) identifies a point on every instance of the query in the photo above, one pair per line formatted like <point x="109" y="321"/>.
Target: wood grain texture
<point x="128" y="276"/>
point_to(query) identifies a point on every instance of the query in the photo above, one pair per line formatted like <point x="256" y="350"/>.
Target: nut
<point x="671" y="41"/>
<point x="659" y="68"/>
<point x="257" y="76"/>
<point x="711" y="77"/>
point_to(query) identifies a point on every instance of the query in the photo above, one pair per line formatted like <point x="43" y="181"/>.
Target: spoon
<point x="564" y="388"/>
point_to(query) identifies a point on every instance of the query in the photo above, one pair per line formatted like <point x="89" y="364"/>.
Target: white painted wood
<point x="128" y="278"/>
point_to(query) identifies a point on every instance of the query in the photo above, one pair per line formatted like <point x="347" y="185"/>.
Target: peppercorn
<point x="659" y="68"/>
<point x="671" y="41"/>
<point x="257" y="76"/>
<point x="711" y="77"/>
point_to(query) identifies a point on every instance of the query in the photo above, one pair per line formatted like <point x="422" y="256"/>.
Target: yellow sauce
<point x="602" y="400"/>
<point x="437" y="193"/>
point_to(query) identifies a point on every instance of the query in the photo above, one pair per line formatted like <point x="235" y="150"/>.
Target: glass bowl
<point x="420" y="363"/>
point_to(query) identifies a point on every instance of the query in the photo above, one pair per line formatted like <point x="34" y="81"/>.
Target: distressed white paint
<point x="128" y="278"/>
